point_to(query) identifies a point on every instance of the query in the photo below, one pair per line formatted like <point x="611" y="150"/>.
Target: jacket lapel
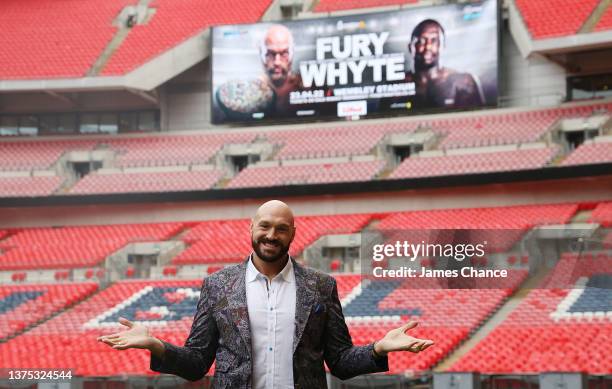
<point x="305" y="288"/>
<point x="235" y="289"/>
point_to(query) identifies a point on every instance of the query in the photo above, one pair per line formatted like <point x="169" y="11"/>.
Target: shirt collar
<point x="286" y="274"/>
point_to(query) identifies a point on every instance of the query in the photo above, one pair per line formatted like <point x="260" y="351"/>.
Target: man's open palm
<point x="136" y="336"/>
<point x="398" y="340"/>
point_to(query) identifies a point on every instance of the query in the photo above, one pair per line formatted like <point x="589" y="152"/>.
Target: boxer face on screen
<point x="277" y="54"/>
<point x="436" y="85"/>
<point x="427" y="46"/>
<point x="272" y="231"/>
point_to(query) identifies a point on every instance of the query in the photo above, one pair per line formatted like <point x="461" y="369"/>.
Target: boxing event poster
<point x="400" y="62"/>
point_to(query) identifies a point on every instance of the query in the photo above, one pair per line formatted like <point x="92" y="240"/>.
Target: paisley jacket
<point x="221" y="331"/>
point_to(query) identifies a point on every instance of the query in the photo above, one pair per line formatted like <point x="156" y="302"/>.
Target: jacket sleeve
<point x="193" y="360"/>
<point x="343" y="358"/>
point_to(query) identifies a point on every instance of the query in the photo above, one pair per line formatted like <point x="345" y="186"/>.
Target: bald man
<point x="277" y="57"/>
<point x="268" y="322"/>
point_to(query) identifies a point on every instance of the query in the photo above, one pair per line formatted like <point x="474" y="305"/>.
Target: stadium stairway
<point x="558" y="159"/>
<point x="581" y="216"/>
<point x="108" y="51"/>
<point x="122" y="33"/>
<point x="592" y="21"/>
<point x="496" y="318"/>
<point x="385" y="172"/>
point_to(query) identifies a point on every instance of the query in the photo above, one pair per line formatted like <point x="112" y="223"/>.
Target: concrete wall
<point x="40" y="102"/>
<point x="528" y="82"/>
<point x="185" y="100"/>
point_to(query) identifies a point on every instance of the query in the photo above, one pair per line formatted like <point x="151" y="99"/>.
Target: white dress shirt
<point x="271" y="306"/>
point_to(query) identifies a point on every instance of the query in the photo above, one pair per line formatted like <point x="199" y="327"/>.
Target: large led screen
<point x="409" y="61"/>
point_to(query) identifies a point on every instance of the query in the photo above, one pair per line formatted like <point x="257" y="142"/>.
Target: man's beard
<point x="269" y="258"/>
<point x="280" y="80"/>
<point x="421" y="65"/>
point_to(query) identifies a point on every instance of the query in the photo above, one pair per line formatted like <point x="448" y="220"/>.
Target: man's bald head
<point x="278" y="34"/>
<point x="274" y="207"/>
<point x="277" y="53"/>
<point x="272" y="230"/>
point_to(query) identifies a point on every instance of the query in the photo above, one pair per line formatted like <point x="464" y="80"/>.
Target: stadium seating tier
<point x="602" y="214"/>
<point x="29" y="186"/>
<point x="167" y="307"/>
<point x="22" y="306"/>
<point x="567" y="18"/>
<point x="317" y="145"/>
<point x="605" y="22"/>
<point x="548" y="320"/>
<point x="588" y="153"/>
<point x="74" y="247"/>
<point x="306" y="174"/>
<point x="491" y="161"/>
<point x="175" y="21"/>
<point x="519" y="217"/>
<point x="69" y="36"/>
<point x="147" y="182"/>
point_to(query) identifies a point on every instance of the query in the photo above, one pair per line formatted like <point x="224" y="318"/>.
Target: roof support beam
<point x="71" y="102"/>
<point x="152" y="97"/>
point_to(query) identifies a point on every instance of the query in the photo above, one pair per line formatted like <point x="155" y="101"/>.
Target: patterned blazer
<point x="221" y="331"/>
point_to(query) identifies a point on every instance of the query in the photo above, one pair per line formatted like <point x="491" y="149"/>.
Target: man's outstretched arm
<point x="191" y="361"/>
<point x="343" y="358"/>
<point x="346" y="360"/>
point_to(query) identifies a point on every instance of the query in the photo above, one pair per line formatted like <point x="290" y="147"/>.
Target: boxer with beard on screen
<point x="268" y="322"/>
<point x="438" y="86"/>
<point x="277" y="51"/>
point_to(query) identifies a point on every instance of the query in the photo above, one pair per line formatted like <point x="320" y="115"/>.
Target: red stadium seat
<point x="69" y="38"/>
<point x="306" y="174"/>
<point x="175" y="22"/>
<point x="17" y="277"/>
<point x="534" y="323"/>
<point x="26" y="155"/>
<point x="475" y="163"/>
<point x="73" y="34"/>
<point x="605" y="22"/>
<point x="62" y="275"/>
<point x="129" y="272"/>
<point x="335" y="265"/>
<point x="588" y="153"/>
<point x="71" y="247"/>
<point x="570" y="15"/>
<point x="38" y="301"/>
<point x="602" y="214"/>
<point x="147" y="182"/>
<point x="29" y="186"/>
<point x="510" y="218"/>
<point x="169" y="271"/>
